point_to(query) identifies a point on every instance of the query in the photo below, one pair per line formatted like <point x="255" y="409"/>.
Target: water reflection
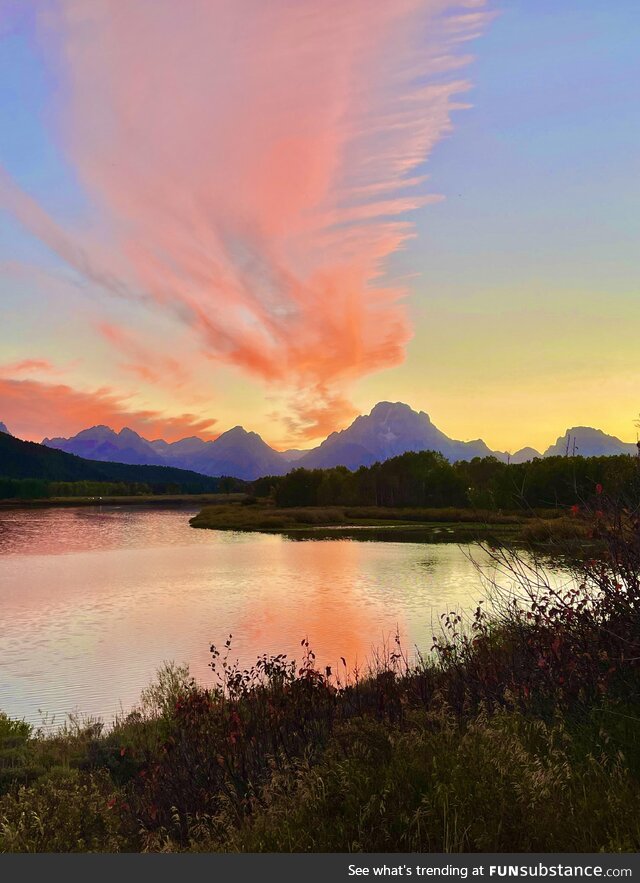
<point x="93" y="600"/>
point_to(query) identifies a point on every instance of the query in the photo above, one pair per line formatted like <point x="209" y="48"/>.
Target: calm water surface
<point x="93" y="600"/>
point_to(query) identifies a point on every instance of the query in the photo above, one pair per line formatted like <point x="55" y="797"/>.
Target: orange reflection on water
<point x="334" y="618"/>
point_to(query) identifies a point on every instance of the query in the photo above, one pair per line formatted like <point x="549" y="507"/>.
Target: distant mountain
<point x="3" y="428"/>
<point x="293" y="454"/>
<point x="524" y="455"/>
<point x="102" y="443"/>
<point x="179" y="450"/>
<point x="389" y="430"/>
<point x="239" y="453"/>
<point x="587" y="442"/>
<point x="236" y="452"/>
<point x="21" y="459"/>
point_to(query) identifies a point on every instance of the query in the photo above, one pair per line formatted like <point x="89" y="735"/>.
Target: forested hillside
<point x="21" y="460"/>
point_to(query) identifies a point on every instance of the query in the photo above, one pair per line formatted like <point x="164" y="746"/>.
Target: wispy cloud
<point x="253" y="166"/>
<point x="313" y="413"/>
<point x="29" y="366"/>
<point x="147" y="364"/>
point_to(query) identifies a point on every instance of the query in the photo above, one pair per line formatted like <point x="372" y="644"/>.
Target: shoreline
<point x="175" y="500"/>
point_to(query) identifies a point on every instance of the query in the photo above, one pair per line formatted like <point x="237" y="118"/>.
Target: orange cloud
<point x="29" y="366"/>
<point x="252" y="167"/>
<point x="314" y="413"/>
<point x="146" y="364"/>
<point x="34" y="410"/>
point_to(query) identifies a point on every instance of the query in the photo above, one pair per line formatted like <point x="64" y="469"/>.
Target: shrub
<point x="498" y="783"/>
<point x="16" y="761"/>
<point x="557" y="530"/>
<point x="225" y="743"/>
<point x="66" y="812"/>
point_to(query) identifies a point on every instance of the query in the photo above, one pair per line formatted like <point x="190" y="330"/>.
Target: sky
<point x="276" y="215"/>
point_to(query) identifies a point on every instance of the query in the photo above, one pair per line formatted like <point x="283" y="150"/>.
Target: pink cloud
<point x="147" y="364"/>
<point x="33" y="410"/>
<point x="253" y="166"/>
<point x="315" y="413"/>
<point x="29" y="366"/>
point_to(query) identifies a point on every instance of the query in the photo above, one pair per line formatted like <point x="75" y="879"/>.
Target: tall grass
<point x="263" y="515"/>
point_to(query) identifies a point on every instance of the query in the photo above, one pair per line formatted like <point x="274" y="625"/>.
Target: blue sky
<point x="529" y="266"/>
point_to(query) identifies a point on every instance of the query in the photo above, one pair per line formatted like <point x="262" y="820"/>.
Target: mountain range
<point x="23" y="460"/>
<point x="390" y="429"/>
<point x="236" y="452"/>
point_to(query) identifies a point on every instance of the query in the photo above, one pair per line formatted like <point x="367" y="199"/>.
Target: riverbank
<point x="137" y="500"/>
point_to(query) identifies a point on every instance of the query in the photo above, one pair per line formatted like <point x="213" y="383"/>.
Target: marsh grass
<point x="263" y="515"/>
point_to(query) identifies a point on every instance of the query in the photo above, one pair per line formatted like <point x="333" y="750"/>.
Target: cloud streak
<point x="252" y="166"/>
<point x="141" y="361"/>
<point x="29" y="366"/>
<point x="36" y="409"/>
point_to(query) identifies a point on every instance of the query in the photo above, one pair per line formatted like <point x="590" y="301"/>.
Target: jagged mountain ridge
<point x="103" y="444"/>
<point x="588" y="442"/>
<point x="236" y="452"/>
<point x="391" y="428"/>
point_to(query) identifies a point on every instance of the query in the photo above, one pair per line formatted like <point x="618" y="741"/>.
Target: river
<point x="94" y="599"/>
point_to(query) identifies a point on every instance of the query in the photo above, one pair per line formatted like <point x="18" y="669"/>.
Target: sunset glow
<point x="277" y="214"/>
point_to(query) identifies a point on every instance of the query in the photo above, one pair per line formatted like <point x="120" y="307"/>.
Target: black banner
<point x="328" y="867"/>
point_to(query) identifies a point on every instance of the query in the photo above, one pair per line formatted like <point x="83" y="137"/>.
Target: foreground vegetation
<point x="518" y="732"/>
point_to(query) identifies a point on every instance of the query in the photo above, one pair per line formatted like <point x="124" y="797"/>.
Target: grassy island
<point x="421" y="496"/>
<point x="374" y="523"/>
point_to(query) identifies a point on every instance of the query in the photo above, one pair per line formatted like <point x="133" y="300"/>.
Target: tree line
<point x="427" y="479"/>
<point x="41" y="489"/>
